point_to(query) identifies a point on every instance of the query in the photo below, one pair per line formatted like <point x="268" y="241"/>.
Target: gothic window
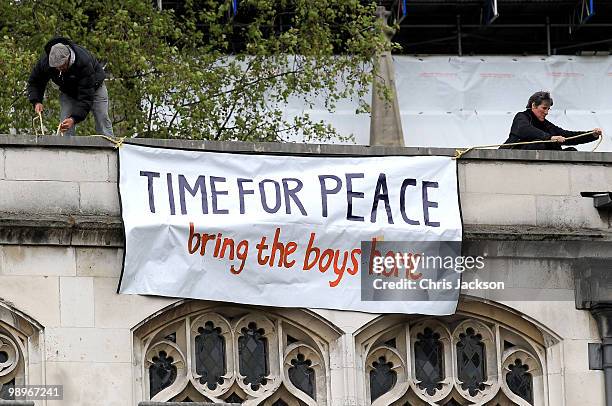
<point x="210" y="355"/>
<point x="471" y="361"/>
<point x="253" y="356"/>
<point x="234" y="355"/>
<point x="428" y="360"/>
<point x="382" y="377"/>
<point x="302" y="376"/>
<point x="522" y="374"/>
<point x="451" y="361"/>
<point x="162" y="373"/>
<point x="520" y="381"/>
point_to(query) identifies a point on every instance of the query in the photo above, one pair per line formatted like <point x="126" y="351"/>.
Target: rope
<point x="43" y="130"/>
<point x="117" y="142"/>
<point x="42" y="127"/>
<point x="459" y="153"/>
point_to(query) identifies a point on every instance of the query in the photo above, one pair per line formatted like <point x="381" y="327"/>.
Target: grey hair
<point x="539" y="98"/>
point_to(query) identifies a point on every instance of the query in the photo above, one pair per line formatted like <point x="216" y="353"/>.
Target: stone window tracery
<point x="451" y="361"/>
<point x="234" y="355"/>
<point x="19" y="351"/>
<point x="11" y="364"/>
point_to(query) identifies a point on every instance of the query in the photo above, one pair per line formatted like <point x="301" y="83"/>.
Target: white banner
<point x="277" y="230"/>
<point x="449" y="101"/>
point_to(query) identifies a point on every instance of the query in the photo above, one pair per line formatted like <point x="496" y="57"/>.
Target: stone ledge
<point x="309" y="149"/>
<point x="96" y="231"/>
<point x="475" y="232"/>
<point x="107" y="231"/>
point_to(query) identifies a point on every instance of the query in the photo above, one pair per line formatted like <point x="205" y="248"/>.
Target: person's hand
<point x="38" y="108"/>
<point x="597" y="131"/>
<point x="558" y="138"/>
<point x="66" y="124"/>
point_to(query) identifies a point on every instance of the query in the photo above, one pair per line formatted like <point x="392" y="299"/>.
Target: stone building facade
<point x="62" y="322"/>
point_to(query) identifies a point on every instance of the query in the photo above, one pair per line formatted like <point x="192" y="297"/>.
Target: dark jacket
<point x="80" y="81"/>
<point x="527" y="127"/>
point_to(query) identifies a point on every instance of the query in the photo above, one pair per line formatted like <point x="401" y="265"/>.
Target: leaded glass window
<point x="253" y="355"/>
<point x="520" y="381"/>
<point x="162" y="373"/>
<point x="302" y="376"/>
<point x="450" y="361"/>
<point x="210" y="355"/>
<point x="429" y="364"/>
<point x="471" y="361"/>
<point x="235" y="355"/>
<point x="382" y="378"/>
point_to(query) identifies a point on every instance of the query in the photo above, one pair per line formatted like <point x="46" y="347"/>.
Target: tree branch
<point x="242" y="88"/>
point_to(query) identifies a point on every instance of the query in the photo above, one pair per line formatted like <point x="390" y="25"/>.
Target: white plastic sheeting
<point x="465" y="101"/>
<point x="451" y="101"/>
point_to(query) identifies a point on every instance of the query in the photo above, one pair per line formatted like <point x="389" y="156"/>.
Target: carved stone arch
<point x="9" y="355"/>
<point x="270" y="339"/>
<point x="307" y="319"/>
<point x="389" y="361"/>
<point x="411" y="399"/>
<point x="485" y="309"/>
<point x="164" y="338"/>
<point x="522" y="378"/>
<point x="166" y="360"/>
<point x="190" y="394"/>
<point x="500" y="328"/>
<point x="235" y="394"/>
<point x="21" y="360"/>
<point x="281" y="397"/>
<point x="304" y="373"/>
<point x="386" y="336"/>
<point x="501" y="400"/>
<point x="454" y="398"/>
<point x="516" y="339"/>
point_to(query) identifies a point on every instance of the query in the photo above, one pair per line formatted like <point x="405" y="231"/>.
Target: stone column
<point x="385" y="122"/>
<point x="593" y="281"/>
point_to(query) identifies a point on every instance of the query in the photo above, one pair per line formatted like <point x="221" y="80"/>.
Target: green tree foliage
<point x="198" y="70"/>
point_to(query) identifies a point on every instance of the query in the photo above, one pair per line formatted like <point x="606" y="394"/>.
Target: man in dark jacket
<point x="80" y="78"/>
<point x="531" y="125"/>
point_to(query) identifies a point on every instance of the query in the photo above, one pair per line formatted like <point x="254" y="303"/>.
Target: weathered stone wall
<point x="61" y="253"/>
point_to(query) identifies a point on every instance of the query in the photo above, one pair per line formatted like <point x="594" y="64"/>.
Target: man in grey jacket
<point x="80" y="78"/>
